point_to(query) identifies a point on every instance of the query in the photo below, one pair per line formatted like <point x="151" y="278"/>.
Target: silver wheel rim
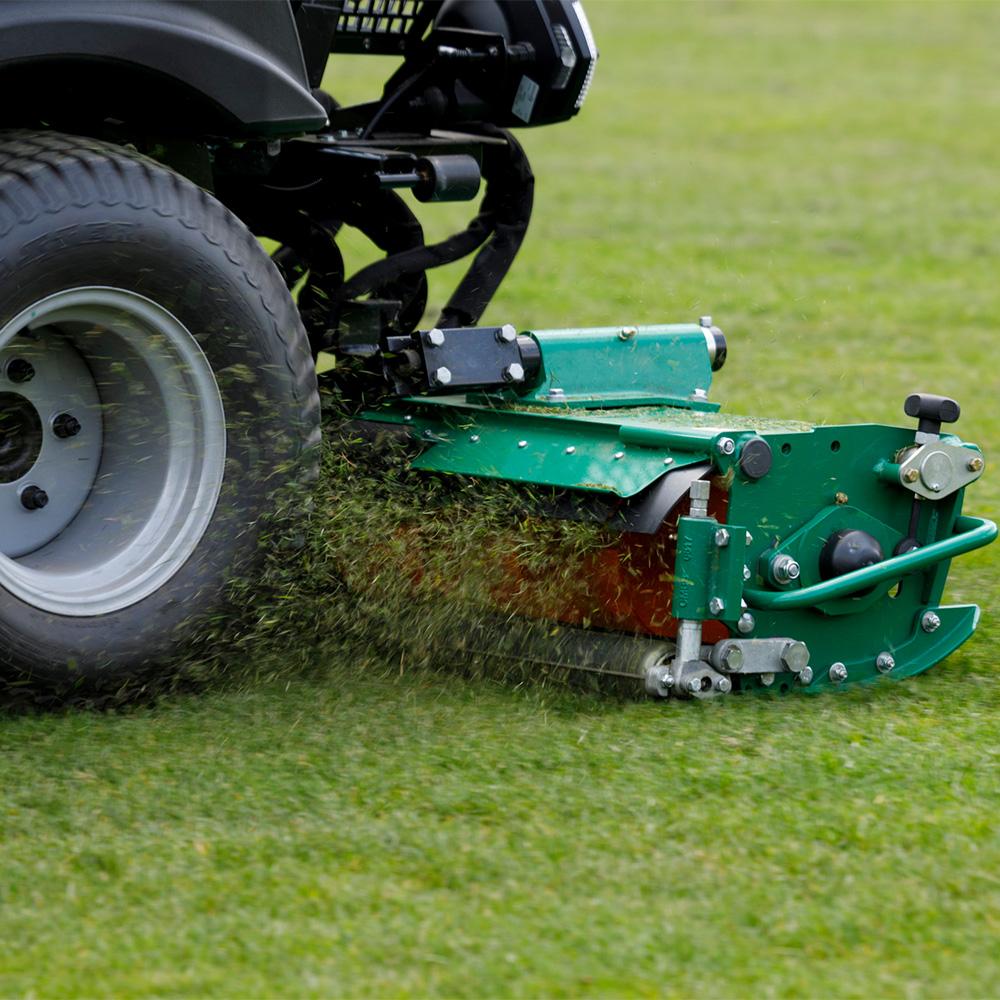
<point x="110" y="409"/>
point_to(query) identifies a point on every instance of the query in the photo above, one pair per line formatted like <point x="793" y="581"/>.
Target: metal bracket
<point x="936" y="470"/>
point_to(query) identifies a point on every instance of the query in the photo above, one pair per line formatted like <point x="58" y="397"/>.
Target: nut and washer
<point x="785" y="569"/>
<point x="726" y="446"/>
<point x="434" y="338"/>
<point x="747" y="623"/>
<point x="514" y="373"/>
<point x="838" y="673"/>
<point x="884" y="662"/>
<point x="722" y="538"/>
<point x="442" y="376"/>
<point x="806" y="676"/>
<point x="930" y="622"/>
<point x="507" y="334"/>
<point x="716" y="605"/>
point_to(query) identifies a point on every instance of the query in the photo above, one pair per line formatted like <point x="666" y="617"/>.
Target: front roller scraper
<point x="739" y="554"/>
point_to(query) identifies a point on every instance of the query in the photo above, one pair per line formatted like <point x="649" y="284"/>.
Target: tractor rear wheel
<point x="156" y="390"/>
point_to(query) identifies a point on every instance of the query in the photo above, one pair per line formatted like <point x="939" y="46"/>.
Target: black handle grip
<point x="931" y="411"/>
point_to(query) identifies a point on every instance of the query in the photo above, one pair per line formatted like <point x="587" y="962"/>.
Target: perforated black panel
<point x="382" y="26"/>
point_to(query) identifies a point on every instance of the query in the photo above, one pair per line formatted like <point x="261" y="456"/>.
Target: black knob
<point x="931" y="411"/>
<point x="34" y="498"/>
<point x="65" y="425"/>
<point x="846" y="551"/>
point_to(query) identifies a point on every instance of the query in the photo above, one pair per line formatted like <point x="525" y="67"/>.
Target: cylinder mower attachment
<point x="742" y="554"/>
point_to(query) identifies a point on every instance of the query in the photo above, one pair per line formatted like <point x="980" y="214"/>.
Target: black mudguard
<point x="241" y="61"/>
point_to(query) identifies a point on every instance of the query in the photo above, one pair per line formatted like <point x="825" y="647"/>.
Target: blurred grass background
<point x="822" y="179"/>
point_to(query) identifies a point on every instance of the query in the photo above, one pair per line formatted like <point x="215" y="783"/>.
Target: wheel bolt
<point x="65" y="425"/>
<point x="33" y="498"/>
<point x="20" y="370"/>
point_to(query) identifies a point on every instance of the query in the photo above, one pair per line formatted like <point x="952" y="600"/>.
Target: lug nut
<point x="434" y="338"/>
<point x="442" y="376"/>
<point x="507" y="334"/>
<point x="514" y="373"/>
<point x="19" y="370"/>
<point x="930" y="622"/>
<point x="838" y="673"/>
<point x="785" y="569"/>
<point x="33" y="498"/>
<point x="884" y="662"/>
<point x="65" y="425"/>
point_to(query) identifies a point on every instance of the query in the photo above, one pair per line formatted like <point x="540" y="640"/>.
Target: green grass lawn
<point x="824" y="179"/>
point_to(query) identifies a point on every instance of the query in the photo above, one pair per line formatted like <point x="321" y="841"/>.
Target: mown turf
<point x="822" y="179"/>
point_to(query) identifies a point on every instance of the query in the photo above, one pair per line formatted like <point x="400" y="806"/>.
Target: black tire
<point x="80" y="214"/>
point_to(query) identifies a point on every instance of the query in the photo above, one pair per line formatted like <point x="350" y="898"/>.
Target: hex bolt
<point x="693" y="685"/>
<point x="704" y="321"/>
<point x="522" y="444"/>
<point x="618" y="456"/>
<point x="975" y="464"/>
<point x="33" y="497"/>
<point x="506" y="334"/>
<point x="659" y="681"/>
<point x="732" y="659"/>
<point x="723" y="685"/>
<point x="930" y="622"/>
<point x="570" y="450"/>
<point x="442" y="376"/>
<point x="19" y="370"/>
<point x="514" y="373"/>
<point x="627" y="332"/>
<point x="747" y="623"/>
<point x="806" y="676"/>
<point x="766" y="679"/>
<point x="434" y="338"/>
<point x="65" y="425"/>
<point x="838" y="673"/>
<point x="716" y="605"/>
<point x="556" y="394"/>
<point x="795" y="656"/>
<point x="884" y="662"/>
<point x="785" y="569"/>
<point x="726" y="446"/>
<point x="747" y="573"/>
<point x="474" y="438"/>
<point x="722" y="538"/>
<point x="911" y="476"/>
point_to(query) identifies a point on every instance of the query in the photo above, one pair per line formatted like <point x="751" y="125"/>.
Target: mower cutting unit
<point x="751" y="553"/>
<point x="158" y="386"/>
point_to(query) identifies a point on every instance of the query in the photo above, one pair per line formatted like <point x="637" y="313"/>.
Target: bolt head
<point x="884" y="662"/>
<point x="474" y="438"/>
<point x="570" y="450"/>
<point x="805" y="676"/>
<point x="838" y="673"/>
<point x="726" y="446"/>
<point x="722" y="538"/>
<point x="65" y="425"/>
<point x="840" y="497"/>
<point x="749" y="538"/>
<point x="723" y="685"/>
<point x="785" y="569"/>
<point x="930" y="622"/>
<point x="716" y="605"/>
<point x="699" y="394"/>
<point x="911" y="476"/>
<point x="507" y="334"/>
<point x="514" y="373"/>
<point x="668" y="461"/>
<point x="434" y="338"/>
<point x="522" y="444"/>
<point x="747" y="573"/>
<point x="33" y="497"/>
<point x="693" y="685"/>
<point x="627" y="332"/>
<point x="747" y="623"/>
<point x="441" y="376"/>
<point x="732" y="659"/>
<point x="556" y="394"/>
<point x="704" y="321"/>
<point x="795" y="656"/>
<point x="618" y="456"/>
<point x="766" y="679"/>
<point x="975" y="464"/>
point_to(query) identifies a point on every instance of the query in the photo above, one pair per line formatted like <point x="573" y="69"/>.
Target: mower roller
<point x="159" y="397"/>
